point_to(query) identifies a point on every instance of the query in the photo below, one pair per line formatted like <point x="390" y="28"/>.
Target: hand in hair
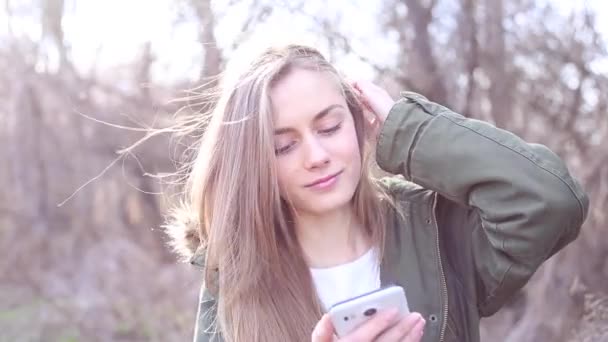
<point x="375" y="99"/>
<point x="383" y="327"/>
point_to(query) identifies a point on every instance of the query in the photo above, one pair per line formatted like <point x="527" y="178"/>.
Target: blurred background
<point x="83" y="257"/>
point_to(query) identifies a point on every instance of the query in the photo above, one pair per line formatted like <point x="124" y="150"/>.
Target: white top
<point x="338" y="283"/>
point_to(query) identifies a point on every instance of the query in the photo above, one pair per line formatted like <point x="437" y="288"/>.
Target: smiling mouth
<point x="323" y="180"/>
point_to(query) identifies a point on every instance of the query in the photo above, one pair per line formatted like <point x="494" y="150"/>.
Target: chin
<point x="323" y="203"/>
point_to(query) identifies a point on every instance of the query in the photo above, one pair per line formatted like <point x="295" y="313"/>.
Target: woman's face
<point x="319" y="163"/>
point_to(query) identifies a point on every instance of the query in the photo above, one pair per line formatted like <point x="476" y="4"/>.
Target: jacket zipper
<point x="443" y="282"/>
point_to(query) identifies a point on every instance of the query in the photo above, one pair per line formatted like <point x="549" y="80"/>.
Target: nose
<point x="316" y="155"/>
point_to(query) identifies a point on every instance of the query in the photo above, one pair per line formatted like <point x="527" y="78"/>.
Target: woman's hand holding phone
<point x="385" y="326"/>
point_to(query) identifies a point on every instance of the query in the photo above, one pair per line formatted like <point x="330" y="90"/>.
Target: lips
<point x="322" y="180"/>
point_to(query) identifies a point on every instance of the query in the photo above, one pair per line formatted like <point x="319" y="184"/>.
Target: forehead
<point x="302" y="94"/>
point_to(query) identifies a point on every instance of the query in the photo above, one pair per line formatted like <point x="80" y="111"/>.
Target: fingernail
<point x="422" y="327"/>
<point x="421" y="324"/>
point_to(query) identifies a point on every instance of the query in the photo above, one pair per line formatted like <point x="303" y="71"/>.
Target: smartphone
<point x="349" y="314"/>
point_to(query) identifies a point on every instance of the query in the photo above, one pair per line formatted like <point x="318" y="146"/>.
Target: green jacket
<point x="482" y="210"/>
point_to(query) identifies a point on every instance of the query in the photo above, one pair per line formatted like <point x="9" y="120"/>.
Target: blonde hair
<point x="253" y="261"/>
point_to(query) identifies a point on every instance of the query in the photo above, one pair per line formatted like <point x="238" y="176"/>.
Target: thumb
<point x="324" y="330"/>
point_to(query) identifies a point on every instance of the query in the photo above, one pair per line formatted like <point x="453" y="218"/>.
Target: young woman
<point x="284" y="216"/>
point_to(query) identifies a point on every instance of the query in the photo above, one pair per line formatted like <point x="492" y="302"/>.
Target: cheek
<point x="281" y="172"/>
<point x="348" y="147"/>
<point x="285" y="173"/>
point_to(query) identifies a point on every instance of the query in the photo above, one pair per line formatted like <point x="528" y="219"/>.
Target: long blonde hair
<point x="253" y="261"/>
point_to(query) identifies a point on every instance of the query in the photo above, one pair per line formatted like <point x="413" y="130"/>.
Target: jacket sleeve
<point x="524" y="199"/>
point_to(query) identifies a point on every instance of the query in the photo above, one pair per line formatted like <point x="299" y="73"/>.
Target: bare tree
<point x="52" y="29"/>
<point x="212" y="58"/>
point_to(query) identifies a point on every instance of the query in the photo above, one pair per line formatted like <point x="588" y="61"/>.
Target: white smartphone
<point x="349" y="314"/>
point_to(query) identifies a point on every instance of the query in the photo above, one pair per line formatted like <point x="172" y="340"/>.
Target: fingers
<point x="354" y="84"/>
<point x="371" y="329"/>
<point x="416" y="333"/>
<point x="375" y="98"/>
<point x="364" y="88"/>
<point x="369" y="113"/>
<point x="408" y="329"/>
<point x="324" y="330"/>
<point x="361" y="97"/>
<point x="359" y="85"/>
<point x="386" y="326"/>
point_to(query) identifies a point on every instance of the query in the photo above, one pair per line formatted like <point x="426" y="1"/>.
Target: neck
<point x="332" y="238"/>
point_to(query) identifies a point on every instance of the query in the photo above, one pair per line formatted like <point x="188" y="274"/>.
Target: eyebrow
<point x="318" y="116"/>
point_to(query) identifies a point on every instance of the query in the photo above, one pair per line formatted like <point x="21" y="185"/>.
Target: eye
<point x="330" y="130"/>
<point x="284" y="149"/>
